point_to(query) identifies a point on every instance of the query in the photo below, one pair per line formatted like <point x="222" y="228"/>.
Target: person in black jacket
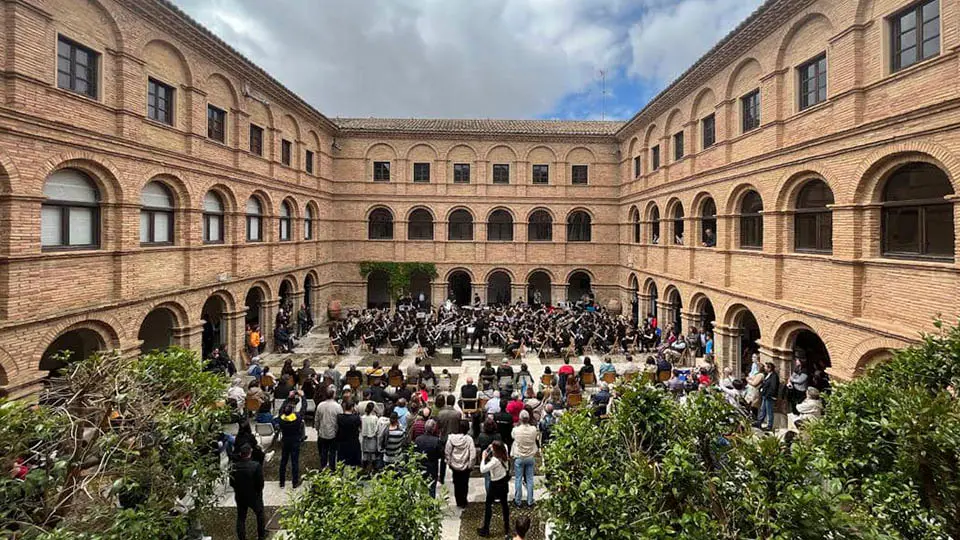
<point x="247" y="482"/>
<point x="348" y="436"/>
<point x="768" y="395"/>
<point x="292" y="435"/>
<point x="430" y="449"/>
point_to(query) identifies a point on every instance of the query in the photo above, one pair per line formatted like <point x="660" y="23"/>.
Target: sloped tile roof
<point x="458" y="126"/>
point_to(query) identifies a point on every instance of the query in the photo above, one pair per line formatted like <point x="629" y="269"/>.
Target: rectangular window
<point x="421" y="173"/>
<point x="159" y="101"/>
<point x="461" y="173"/>
<point x="308" y="161"/>
<point x="813" y="82"/>
<point x="541" y="174"/>
<point x="256" y="140"/>
<point x="216" y="124"/>
<point x="77" y="68"/>
<point x="381" y="171"/>
<point x="286" y="149"/>
<point x="501" y="174"/>
<point x="636" y="167"/>
<point x="678" y="146"/>
<point x="709" y="128"/>
<point x="579" y="174"/>
<point x="655" y="157"/>
<point x="750" y="111"/>
<point x="915" y="34"/>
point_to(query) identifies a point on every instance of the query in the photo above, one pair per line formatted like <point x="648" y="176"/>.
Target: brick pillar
<point x="268" y="313"/>
<point x="296" y="299"/>
<point x="233" y="329"/>
<point x="726" y="346"/>
<point x="189" y="337"/>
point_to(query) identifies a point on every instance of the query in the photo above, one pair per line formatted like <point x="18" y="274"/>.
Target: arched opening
<point x="378" y="290"/>
<point x="460" y="226"/>
<point x="540" y="227"/>
<point x="635" y="224"/>
<point x="156" y="330"/>
<point x="654" y="298"/>
<point x="747" y="346"/>
<point x="254" y="220"/>
<point x="214" y="327"/>
<point x="677" y="218"/>
<point x="420" y="226"/>
<point x="579" y="287"/>
<point x="706" y="316"/>
<point x="213" y="218"/>
<point x="308" y="286"/>
<point x="917" y="217"/>
<point x="81" y="343"/>
<point x="420" y="284"/>
<point x="538" y="288"/>
<point x="70" y="214"/>
<point x="579" y="227"/>
<point x="810" y="350"/>
<point x="380" y="225"/>
<point x="751" y="221"/>
<point x="156" y="214"/>
<point x="460" y="288"/>
<point x="634" y="299"/>
<point x="286" y="295"/>
<point x="813" y="222"/>
<point x="708" y="223"/>
<point x="286" y="222"/>
<point x="676" y="308"/>
<point x="655" y="225"/>
<point x="498" y="288"/>
<point x="871" y="360"/>
<point x="500" y="227"/>
<point x="254" y="303"/>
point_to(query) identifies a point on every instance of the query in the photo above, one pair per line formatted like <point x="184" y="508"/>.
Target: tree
<point x="394" y="504"/>
<point x="118" y="448"/>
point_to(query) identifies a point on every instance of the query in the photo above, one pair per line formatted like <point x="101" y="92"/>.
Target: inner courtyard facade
<point x="795" y="190"/>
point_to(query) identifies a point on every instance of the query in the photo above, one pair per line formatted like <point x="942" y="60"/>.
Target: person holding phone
<point x="495" y="462"/>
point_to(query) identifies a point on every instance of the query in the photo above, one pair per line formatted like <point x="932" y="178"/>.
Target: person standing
<point x="449" y="423"/>
<point x="369" y="441"/>
<point x="246" y="479"/>
<point x="430" y="449"/>
<point x="768" y="396"/>
<point x="524" y="453"/>
<point x="325" y="420"/>
<point x="494" y="462"/>
<point x="292" y="435"/>
<point x="460" y="453"/>
<point x="348" y="436"/>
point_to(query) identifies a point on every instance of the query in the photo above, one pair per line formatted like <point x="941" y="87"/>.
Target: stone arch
<point x="703" y="105"/>
<point x="648" y="211"/>
<point x="652" y="293"/>
<point x="387" y="150"/>
<point x="703" y="307"/>
<point x="462" y="147"/>
<point x="9" y="175"/>
<point x="265" y="199"/>
<point x="787" y="325"/>
<point x="467" y="209"/>
<point x="580" y="150"/>
<point x="106" y="18"/>
<point x="429" y="210"/>
<point x="503" y="269"/>
<point x="808" y="21"/>
<point x="506" y="209"/>
<point x="174" y="182"/>
<point x="875" y="169"/>
<point x="871" y="352"/>
<point x="742" y="323"/>
<point x="454" y="270"/>
<point x="546" y="271"/>
<point x="748" y="68"/>
<point x="732" y="205"/>
<point x="260" y="114"/>
<point x="294" y="207"/>
<point x="86" y="332"/>
<point x="265" y="286"/>
<point x="435" y="154"/>
<point x="226" y="194"/>
<point x="789" y="188"/>
<point x="499" y="282"/>
<point x="460" y="282"/>
<point x="675" y="305"/>
<point x="503" y="151"/>
<point x="213" y="320"/>
<point x="225" y="296"/>
<point x="292" y="278"/>
<point x="376" y="207"/>
<point x="580" y="282"/>
<point x="162" y="46"/>
<point x="549" y="212"/>
<point x="157" y="325"/>
<point x="539" y="147"/>
<point x="648" y="141"/>
<point x="290" y="125"/>
<point x="219" y="86"/>
<point x="103" y="173"/>
<point x="670" y="125"/>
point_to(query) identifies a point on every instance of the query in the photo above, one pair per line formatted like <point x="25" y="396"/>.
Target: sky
<point x="473" y="58"/>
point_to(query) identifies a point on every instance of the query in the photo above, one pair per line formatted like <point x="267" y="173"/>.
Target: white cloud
<point x="672" y="36"/>
<point x="464" y="58"/>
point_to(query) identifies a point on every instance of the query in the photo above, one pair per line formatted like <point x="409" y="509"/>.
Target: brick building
<point x="795" y="189"/>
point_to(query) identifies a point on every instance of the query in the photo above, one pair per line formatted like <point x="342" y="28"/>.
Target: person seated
<point x="413" y="371"/>
<point x="428" y="377"/>
<point x="255" y="392"/>
<point x="285" y="388"/>
<point x="505" y="376"/>
<point x="395" y="372"/>
<point x="631" y="366"/>
<point x="676" y="383"/>
<point x="488" y="376"/>
<point x="255" y="369"/>
<point x="601" y="399"/>
<point x="493" y="404"/>
<point x="573" y="385"/>
<point x="704" y="378"/>
<point x="808" y="410"/>
<point x="374" y="373"/>
<point x="549" y="379"/>
<point x="306" y="372"/>
<point x="236" y="393"/>
<point x="663" y="366"/>
<point x="468" y="391"/>
<point x="533" y="403"/>
<point x="514" y="406"/>
<point x="607" y="367"/>
<point x="267" y="380"/>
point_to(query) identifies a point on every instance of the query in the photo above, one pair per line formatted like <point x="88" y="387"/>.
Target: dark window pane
<point x="461" y="173"/>
<point x="917" y="182"/>
<point x="655" y="157"/>
<point x="709" y="131"/>
<point x="825" y="232"/>
<point x="902" y="230"/>
<point x="938" y="229"/>
<point x="805" y="231"/>
<point x="541" y="174"/>
<point x="580" y="174"/>
<point x="421" y="172"/>
<point x="501" y="174"/>
<point x="636" y="167"/>
<point x="381" y="171"/>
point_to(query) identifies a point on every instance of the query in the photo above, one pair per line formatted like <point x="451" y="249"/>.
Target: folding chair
<point x="589" y="379"/>
<point x="265" y="429"/>
<point x="353" y="381"/>
<point x="664" y="376"/>
<point x="231" y="429"/>
<point x="469" y="406"/>
<point x="396" y="381"/>
<point x="609" y="377"/>
<point x="444" y="385"/>
<point x="547" y="379"/>
<point x="574" y="400"/>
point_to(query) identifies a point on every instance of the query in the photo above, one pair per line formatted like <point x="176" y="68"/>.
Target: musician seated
<point x="607" y="367"/>
<point x="505" y="376"/>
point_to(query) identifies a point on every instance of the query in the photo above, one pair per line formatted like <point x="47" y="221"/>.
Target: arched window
<point x="655" y="225"/>
<point x="460" y="226"/>
<point x="420" y="226"/>
<point x="677" y="219"/>
<point x="540" y="227"/>
<point x="813" y="222"/>
<point x="500" y="227"/>
<point x="708" y="223"/>
<point x="254" y="220"/>
<point x="70" y="215"/>
<point x="380" y="225"/>
<point x="285" y="221"/>
<point x="751" y="221"/>
<point x="308" y="223"/>
<point x="156" y="214"/>
<point x="212" y="218"/>
<point x="635" y="220"/>
<point x="578" y="227"/>
<point x="917" y="219"/>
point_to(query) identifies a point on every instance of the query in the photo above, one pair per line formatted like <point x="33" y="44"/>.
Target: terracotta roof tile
<point x="522" y="127"/>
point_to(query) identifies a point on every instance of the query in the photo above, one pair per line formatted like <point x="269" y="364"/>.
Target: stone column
<point x="296" y="299"/>
<point x="558" y="292"/>
<point x="726" y="346"/>
<point x="189" y="337"/>
<point x="268" y="313"/>
<point x="233" y="329"/>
